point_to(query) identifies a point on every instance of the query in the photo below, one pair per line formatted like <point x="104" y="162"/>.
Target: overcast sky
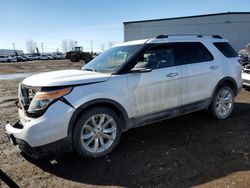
<point x="51" y="21"/>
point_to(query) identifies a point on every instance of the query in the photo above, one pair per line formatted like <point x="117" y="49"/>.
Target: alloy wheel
<point x="98" y="133"/>
<point x="224" y="102"/>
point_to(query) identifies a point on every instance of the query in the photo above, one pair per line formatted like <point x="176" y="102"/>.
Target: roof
<point x="173" y="38"/>
<point x="185" y="17"/>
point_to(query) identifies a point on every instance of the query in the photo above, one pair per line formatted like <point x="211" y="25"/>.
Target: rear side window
<point x="226" y="49"/>
<point x="191" y="52"/>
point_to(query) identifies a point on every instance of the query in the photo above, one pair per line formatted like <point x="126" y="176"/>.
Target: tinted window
<point x="226" y="49"/>
<point x="156" y="57"/>
<point x="191" y="52"/>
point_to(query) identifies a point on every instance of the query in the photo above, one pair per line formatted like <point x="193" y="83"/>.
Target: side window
<point x="226" y="49"/>
<point x="191" y="52"/>
<point x="156" y="57"/>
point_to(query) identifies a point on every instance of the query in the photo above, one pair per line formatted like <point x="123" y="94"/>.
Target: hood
<point x="64" y="78"/>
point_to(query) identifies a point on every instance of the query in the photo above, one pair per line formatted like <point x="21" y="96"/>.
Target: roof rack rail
<point x="166" y="36"/>
<point x="162" y="36"/>
<point x="197" y="35"/>
<point x="217" y="37"/>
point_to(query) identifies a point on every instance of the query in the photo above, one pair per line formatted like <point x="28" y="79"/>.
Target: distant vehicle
<point x="36" y="57"/>
<point x="78" y="55"/>
<point x="246" y="75"/>
<point x="13" y="59"/>
<point x="243" y="59"/>
<point x="56" y="56"/>
<point x="20" y="58"/>
<point x="5" y="59"/>
<point x="44" y="57"/>
<point x="29" y="58"/>
<point x="51" y="57"/>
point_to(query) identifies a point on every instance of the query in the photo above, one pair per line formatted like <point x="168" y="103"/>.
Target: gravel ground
<point x="192" y="150"/>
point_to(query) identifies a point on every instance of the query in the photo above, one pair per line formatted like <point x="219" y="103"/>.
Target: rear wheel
<point x="74" y="58"/>
<point x="97" y="132"/>
<point x="223" y="102"/>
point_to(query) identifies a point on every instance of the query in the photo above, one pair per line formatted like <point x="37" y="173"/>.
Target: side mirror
<point x="140" y="70"/>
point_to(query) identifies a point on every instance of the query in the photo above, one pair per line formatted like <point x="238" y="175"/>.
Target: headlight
<point x="43" y="98"/>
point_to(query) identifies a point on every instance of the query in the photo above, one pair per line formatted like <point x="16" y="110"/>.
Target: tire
<point x="97" y="132"/>
<point x="222" y="103"/>
<point x="74" y="58"/>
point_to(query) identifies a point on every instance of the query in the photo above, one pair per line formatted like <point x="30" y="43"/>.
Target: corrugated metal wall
<point x="6" y="52"/>
<point x="234" y="27"/>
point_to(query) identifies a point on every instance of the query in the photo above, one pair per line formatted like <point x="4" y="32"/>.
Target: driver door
<point x="157" y="89"/>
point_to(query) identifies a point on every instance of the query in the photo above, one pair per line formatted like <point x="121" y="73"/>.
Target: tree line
<point x="66" y="45"/>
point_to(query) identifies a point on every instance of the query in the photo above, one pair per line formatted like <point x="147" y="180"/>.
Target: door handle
<point x="171" y="75"/>
<point x="213" y="67"/>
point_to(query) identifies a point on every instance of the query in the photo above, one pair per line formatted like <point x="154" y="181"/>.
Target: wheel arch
<point x="117" y="107"/>
<point x="226" y="81"/>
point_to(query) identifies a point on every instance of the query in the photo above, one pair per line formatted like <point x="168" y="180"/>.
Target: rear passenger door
<point x="199" y="71"/>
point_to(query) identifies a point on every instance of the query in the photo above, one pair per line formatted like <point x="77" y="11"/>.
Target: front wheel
<point x="223" y="102"/>
<point x="97" y="132"/>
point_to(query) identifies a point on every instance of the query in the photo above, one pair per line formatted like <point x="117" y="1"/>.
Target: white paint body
<point x="6" y="59"/>
<point x="139" y="94"/>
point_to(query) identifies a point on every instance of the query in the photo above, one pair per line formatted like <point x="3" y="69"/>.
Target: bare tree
<point x="110" y="44"/>
<point x="102" y="47"/>
<point x="65" y="46"/>
<point x="72" y="44"/>
<point x="31" y="46"/>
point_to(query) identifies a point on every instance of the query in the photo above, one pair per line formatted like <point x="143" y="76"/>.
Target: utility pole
<point x="91" y="47"/>
<point x="42" y="47"/>
<point x="14" y="47"/>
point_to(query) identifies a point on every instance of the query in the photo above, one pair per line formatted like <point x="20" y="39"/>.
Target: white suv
<point x="5" y="59"/>
<point x="129" y="85"/>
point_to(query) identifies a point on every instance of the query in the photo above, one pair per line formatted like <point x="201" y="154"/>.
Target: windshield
<point x="111" y="59"/>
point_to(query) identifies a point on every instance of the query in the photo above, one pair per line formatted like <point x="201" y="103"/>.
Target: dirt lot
<point x="193" y="150"/>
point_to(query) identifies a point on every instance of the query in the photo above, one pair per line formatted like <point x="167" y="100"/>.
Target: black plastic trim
<point x="64" y="100"/>
<point x="48" y="150"/>
<point x="217" y="37"/>
<point x="170" y="113"/>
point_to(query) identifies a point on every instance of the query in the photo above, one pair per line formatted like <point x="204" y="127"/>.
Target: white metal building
<point x="7" y="52"/>
<point x="234" y="26"/>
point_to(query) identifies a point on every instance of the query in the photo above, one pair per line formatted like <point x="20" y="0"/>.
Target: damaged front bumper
<point x="43" y="136"/>
<point x="48" y="150"/>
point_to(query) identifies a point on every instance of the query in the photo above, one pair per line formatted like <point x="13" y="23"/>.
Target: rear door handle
<point x="213" y="67"/>
<point x="171" y="75"/>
